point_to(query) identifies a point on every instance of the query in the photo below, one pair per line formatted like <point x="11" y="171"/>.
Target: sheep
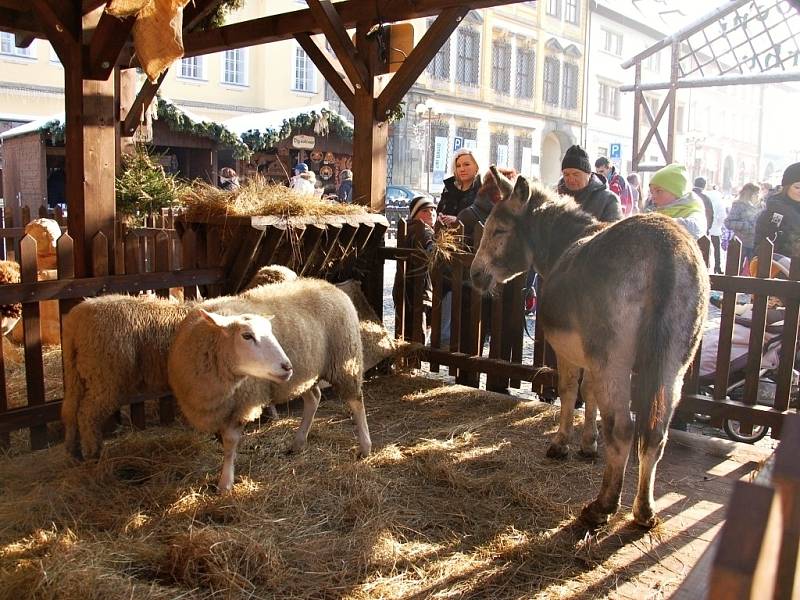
<point x="269" y="275"/>
<point x="318" y="328"/>
<point x="113" y="346"/>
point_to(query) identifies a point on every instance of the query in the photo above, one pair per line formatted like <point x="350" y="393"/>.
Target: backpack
<point x="620" y="187"/>
<point x="709" y="208"/>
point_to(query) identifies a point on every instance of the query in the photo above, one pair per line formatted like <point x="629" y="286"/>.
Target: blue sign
<point x="458" y="143"/>
<point x="615" y="151"/>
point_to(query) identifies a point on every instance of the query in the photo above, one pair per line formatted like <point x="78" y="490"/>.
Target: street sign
<point x="615" y="150"/>
<point x="458" y="142"/>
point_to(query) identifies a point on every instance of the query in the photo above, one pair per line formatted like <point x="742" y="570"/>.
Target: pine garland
<point x="177" y="121"/>
<point x="260" y="141"/>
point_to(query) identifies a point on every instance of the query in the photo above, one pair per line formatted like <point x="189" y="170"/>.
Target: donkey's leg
<point x="568" y="392"/>
<point x="311" y="399"/>
<point x="612" y="392"/>
<point x="589" y="435"/>
<point x="653" y="438"/>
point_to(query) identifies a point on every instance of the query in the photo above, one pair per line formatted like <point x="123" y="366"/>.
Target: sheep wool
<point x="316" y="325"/>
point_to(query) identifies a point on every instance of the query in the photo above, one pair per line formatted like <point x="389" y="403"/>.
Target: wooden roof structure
<point x="102" y="106"/>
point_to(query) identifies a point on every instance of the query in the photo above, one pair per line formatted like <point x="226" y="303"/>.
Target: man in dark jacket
<point x="780" y="219"/>
<point x="588" y="189"/>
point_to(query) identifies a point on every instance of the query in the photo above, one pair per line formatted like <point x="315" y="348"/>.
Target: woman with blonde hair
<point x="741" y="220"/>
<point x="460" y="189"/>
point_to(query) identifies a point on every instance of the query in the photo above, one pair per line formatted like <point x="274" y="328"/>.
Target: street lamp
<point x="427" y="110"/>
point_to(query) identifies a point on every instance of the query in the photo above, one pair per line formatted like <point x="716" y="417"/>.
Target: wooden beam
<point x="283" y="26"/>
<point x="140" y="104"/>
<point x="107" y="42"/>
<point x="342" y="87"/>
<point x="23" y="40"/>
<point x="61" y="23"/>
<point x="418" y="60"/>
<point x="331" y="24"/>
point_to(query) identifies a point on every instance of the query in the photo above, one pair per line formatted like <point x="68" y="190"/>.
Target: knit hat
<point x="576" y="158"/>
<point x="417" y="204"/>
<point x="791" y="175"/>
<point x="301" y="168"/>
<point x="346" y="174"/>
<point x="700" y="182"/>
<point x="673" y="179"/>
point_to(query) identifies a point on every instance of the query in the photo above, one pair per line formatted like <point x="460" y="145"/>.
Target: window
<point x="569" y="99"/>
<point x="608" y="104"/>
<point x="522" y="143"/>
<point x="554" y="8"/>
<point x="526" y="62"/>
<point x="572" y="12"/>
<point x="498" y="149"/>
<point x="192" y="68"/>
<point x="612" y="42"/>
<point x="501" y="67"/>
<point x="304" y="73"/>
<point x="470" y="135"/>
<point x="468" y="58"/>
<point x="552" y="80"/>
<point x="7" y="46"/>
<point x="653" y="62"/>
<point x="235" y="67"/>
<point x="439" y="67"/>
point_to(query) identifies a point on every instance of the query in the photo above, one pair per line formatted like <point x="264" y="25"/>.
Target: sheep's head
<point x="250" y="346"/>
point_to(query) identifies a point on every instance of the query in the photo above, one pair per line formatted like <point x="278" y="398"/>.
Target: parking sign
<point x="615" y="150"/>
<point x="458" y="142"/>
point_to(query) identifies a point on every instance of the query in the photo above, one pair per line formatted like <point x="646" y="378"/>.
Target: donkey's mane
<point x="554" y="223"/>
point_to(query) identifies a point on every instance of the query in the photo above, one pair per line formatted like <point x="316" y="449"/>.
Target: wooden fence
<point x="503" y="318"/>
<point x="756" y="553"/>
<point x="155" y="259"/>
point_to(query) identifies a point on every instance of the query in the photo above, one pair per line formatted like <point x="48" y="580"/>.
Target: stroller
<point x="770" y="358"/>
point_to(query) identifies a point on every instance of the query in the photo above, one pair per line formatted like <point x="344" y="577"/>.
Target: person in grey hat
<point x="419" y="236"/>
<point x="345" y="189"/>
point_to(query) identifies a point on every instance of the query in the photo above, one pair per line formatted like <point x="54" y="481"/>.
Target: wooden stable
<point x="206" y="258"/>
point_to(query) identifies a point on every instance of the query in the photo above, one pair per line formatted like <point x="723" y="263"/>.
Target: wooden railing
<point x="504" y="366"/>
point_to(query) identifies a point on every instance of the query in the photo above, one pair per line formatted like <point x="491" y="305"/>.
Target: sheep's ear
<point x="268" y="317"/>
<point x="212" y="318"/>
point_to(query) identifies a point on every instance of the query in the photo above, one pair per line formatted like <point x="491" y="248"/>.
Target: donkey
<point x="624" y="302"/>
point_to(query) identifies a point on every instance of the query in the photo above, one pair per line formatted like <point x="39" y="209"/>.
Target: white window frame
<point x="310" y="72"/>
<point x="612" y="42"/>
<point x="7" y="40"/>
<point x="199" y="64"/>
<point x="608" y="99"/>
<point x="242" y="71"/>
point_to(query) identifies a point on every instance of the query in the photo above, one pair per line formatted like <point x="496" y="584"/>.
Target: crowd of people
<point x="303" y="181"/>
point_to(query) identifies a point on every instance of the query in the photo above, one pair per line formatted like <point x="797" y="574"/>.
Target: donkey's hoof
<point x="595" y="515"/>
<point x="557" y="451"/>
<point x="646" y="519"/>
<point x="589" y="453"/>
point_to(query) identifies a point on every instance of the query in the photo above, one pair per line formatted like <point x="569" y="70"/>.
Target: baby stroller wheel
<point x="733" y="429"/>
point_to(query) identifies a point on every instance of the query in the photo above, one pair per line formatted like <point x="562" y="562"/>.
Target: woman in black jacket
<point x="460" y="189"/>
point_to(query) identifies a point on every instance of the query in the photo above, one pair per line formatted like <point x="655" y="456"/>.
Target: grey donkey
<point x="624" y="302"/>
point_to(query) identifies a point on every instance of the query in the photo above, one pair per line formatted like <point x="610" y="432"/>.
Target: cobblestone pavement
<point x="525" y="392"/>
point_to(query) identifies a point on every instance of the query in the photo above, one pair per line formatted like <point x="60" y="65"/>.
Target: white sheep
<point x="224" y="351"/>
<point x="318" y="328"/>
<point x="114" y="346"/>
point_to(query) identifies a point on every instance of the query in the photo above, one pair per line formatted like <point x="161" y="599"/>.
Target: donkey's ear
<point x="503" y="182"/>
<point x="520" y="194"/>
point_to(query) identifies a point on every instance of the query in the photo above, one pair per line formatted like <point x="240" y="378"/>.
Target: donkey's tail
<point x="653" y="351"/>
<point x="73" y="389"/>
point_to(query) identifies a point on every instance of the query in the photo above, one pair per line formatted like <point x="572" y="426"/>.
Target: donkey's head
<point x="504" y="251"/>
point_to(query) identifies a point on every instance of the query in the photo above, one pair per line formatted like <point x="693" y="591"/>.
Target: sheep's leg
<point x="95" y="408"/>
<point x="362" y="429"/>
<point x="272" y="411"/>
<point x="310" y="404"/>
<point x="230" y="442"/>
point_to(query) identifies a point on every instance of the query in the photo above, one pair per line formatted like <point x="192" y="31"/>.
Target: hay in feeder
<point x="457" y="500"/>
<point x="259" y="197"/>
